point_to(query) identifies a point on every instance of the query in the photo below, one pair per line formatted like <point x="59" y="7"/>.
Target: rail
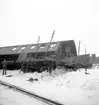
<point x="43" y="99"/>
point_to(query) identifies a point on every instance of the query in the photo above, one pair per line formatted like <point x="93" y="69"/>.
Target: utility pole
<point x="79" y="48"/>
<point x="85" y="49"/>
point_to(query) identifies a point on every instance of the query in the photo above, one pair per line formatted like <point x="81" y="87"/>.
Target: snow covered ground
<point x="70" y="88"/>
<point x="11" y="97"/>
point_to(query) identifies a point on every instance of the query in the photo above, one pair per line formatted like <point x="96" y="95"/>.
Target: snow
<point x="73" y="88"/>
<point x="11" y="97"/>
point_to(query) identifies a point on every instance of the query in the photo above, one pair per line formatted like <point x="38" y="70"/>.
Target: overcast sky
<point x="22" y="21"/>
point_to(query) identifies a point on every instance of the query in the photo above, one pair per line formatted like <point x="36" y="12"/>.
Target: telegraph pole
<point x="79" y="48"/>
<point x="85" y="49"/>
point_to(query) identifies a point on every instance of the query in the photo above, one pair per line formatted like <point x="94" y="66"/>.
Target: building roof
<point x="43" y="47"/>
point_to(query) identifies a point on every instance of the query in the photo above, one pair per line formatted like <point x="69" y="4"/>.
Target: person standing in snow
<point x="4" y="66"/>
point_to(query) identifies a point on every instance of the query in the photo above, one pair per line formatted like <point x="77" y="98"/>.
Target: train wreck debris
<point x="44" y="56"/>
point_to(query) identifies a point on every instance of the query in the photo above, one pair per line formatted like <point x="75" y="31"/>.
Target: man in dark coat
<point x="4" y="66"/>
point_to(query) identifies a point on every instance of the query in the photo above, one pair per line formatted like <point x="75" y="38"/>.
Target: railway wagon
<point x="76" y="62"/>
<point x="37" y="56"/>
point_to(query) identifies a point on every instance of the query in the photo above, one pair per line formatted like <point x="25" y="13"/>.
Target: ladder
<point x="22" y="57"/>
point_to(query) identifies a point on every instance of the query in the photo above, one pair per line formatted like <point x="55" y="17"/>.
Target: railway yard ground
<point x="11" y="97"/>
<point x="69" y="88"/>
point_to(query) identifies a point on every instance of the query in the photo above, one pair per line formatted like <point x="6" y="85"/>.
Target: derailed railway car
<point x="38" y="57"/>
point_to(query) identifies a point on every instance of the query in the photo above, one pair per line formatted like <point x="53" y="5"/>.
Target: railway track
<point x="43" y="99"/>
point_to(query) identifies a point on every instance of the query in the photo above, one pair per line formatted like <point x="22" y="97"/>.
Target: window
<point x="14" y="49"/>
<point x="32" y="47"/>
<point x="22" y="48"/>
<point x="42" y="46"/>
<point x="52" y="45"/>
